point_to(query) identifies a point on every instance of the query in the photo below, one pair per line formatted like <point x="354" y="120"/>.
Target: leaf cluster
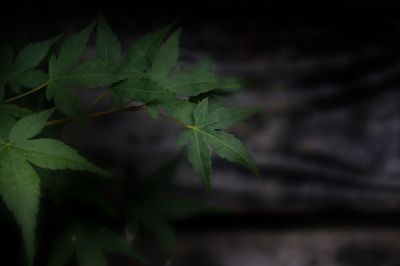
<point x="148" y="73"/>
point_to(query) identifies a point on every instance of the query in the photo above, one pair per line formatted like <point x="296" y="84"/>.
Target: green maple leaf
<point x="142" y="89"/>
<point x="149" y="52"/>
<point x="89" y="245"/>
<point x="20" y="72"/>
<point x="99" y="72"/>
<point x="148" y="66"/>
<point x="105" y="69"/>
<point x="166" y="57"/>
<point x="204" y="137"/>
<point x="138" y="60"/>
<point x="58" y="89"/>
<point x="180" y="109"/>
<point x="19" y="183"/>
<point x="8" y="115"/>
<point x="108" y="47"/>
<point x="140" y="56"/>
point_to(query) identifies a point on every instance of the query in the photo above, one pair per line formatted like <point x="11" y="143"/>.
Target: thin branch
<point x="27" y="93"/>
<point x="174" y="120"/>
<point x="125" y="108"/>
<point x="97" y="114"/>
<point x="96" y="100"/>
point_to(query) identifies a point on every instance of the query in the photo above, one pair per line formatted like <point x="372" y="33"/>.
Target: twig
<point x="97" y="114"/>
<point x="27" y="93"/>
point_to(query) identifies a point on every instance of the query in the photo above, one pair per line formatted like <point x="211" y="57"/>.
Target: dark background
<point x="328" y="143"/>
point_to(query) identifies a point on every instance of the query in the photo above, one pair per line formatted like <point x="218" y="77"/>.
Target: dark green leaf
<point x="14" y="110"/>
<point x="65" y="99"/>
<point x="228" y="147"/>
<point x="166" y="58"/>
<point x="29" y="126"/>
<point x="6" y="124"/>
<point x="33" y="54"/>
<point x="108" y="48"/>
<point x="54" y="154"/>
<point x="142" y="90"/>
<point x="19" y="188"/>
<point x="140" y="56"/>
<point x="202" y="137"/>
<point x="71" y="50"/>
<point x="31" y="78"/>
<point x="153" y="109"/>
<point x="198" y="154"/>
<point x="180" y="109"/>
<point x="225" y="117"/>
<point x="93" y="74"/>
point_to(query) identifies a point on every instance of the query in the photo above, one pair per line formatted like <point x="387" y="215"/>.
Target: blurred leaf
<point x="62" y="250"/>
<point x="161" y="231"/>
<point x="90" y="244"/>
<point x="27" y="59"/>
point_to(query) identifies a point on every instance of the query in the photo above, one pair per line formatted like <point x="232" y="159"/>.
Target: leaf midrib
<point x="220" y="141"/>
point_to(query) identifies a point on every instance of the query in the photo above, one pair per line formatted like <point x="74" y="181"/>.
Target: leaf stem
<point x="27" y="93"/>
<point x="97" y="114"/>
<point x="96" y="100"/>
<point x="174" y="120"/>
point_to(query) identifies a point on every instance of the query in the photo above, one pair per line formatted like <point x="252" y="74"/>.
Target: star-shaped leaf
<point x="15" y="70"/>
<point x="19" y="72"/>
<point x="204" y="136"/>
<point x="166" y="57"/>
<point x="19" y="183"/>
<point x="99" y="72"/>
<point x="140" y="56"/>
<point x="59" y="88"/>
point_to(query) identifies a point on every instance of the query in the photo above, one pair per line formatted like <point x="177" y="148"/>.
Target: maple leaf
<point x="8" y="115"/>
<point x="140" y="56"/>
<point x="93" y="73"/>
<point x="20" y="72"/>
<point x="204" y="137"/>
<point x="19" y="182"/>
<point x="148" y="55"/>
<point x="157" y="86"/>
<point x="90" y="245"/>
